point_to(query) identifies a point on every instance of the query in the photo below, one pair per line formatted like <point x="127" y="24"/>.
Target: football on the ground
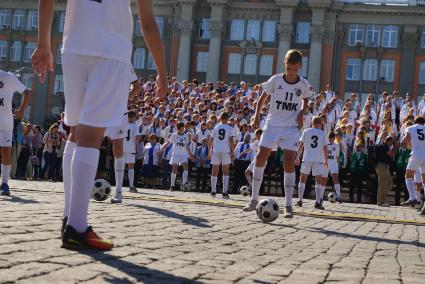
<point x="245" y="190"/>
<point x="332" y="197"/>
<point x="101" y="190"/>
<point x="184" y="187"/>
<point x="267" y="210"/>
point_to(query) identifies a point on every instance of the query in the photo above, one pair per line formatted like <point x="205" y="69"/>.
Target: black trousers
<point x="36" y="169"/>
<point x="166" y="174"/>
<point x="400" y="186"/>
<point x="137" y="170"/>
<point x="356" y="185"/>
<point x="239" y="174"/>
<point x="21" y="168"/>
<point x="202" y="177"/>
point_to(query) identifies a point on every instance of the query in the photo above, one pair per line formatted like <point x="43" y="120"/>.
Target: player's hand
<point x="19" y="114"/>
<point x="297" y="161"/>
<point x="162" y="87"/>
<point x="326" y="164"/>
<point x="42" y="62"/>
<point x="300" y="119"/>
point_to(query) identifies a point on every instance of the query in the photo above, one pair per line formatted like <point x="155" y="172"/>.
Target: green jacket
<point x="358" y="163"/>
<point x="402" y="158"/>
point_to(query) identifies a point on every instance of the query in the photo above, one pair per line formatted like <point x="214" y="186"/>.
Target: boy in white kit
<point x="288" y="94"/>
<point x="254" y="147"/>
<point x="9" y="84"/>
<point x="314" y="142"/>
<point x="132" y="136"/>
<point x="333" y="162"/>
<point x="96" y="63"/>
<point x="221" y="148"/>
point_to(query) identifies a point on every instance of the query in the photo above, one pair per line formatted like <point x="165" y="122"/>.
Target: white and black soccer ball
<point x="101" y="190"/>
<point x="267" y="210"/>
<point x="184" y="187"/>
<point x="420" y="203"/>
<point x="332" y="197"/>
<point x="245" y="190"/>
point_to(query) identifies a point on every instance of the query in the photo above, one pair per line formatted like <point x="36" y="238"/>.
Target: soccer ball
<point x="267" y="210"/>
<point x="245" y="191"/>
<point x="420" y="204"/>
<point x="184" y="186"/>
<point x="101" y="190"/>
<point x="332" y="197"/>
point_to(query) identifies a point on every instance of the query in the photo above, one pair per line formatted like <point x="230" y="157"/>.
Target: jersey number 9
<point x="221" y="134"/>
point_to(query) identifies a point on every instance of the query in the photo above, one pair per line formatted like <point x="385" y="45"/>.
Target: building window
<point x="204" y="32"/>
<point x="59" y="54"/>
<point x="387" y="70"/>
<point x="355" y="35"/>
<point x="390" y="36"/>
<point x="266" y="65"/>
<point x="3" y="50"/>
<point x="202" y="62"/>
<point x="353" y="69"/>
<point x="150" y="64"/>
<point x="139" y="58"/>
<point x="138" y="27"/>
<point x="423" y="38"/>
<point x="32" y="20"/>
<point x="160" y="22"/>
<point x="250" y="64"/>
<point x="304" y="68"/>
<point x="18" y="20"/>
<point x="234" y="66"/>
<point x="269" y="31"/>
<point x="58" y="85"/>
<point x="253" y="30"/>
<point x="372" y="35"/>
<point x="303" y="32"/>
<point x="61" y="22"/>
<point x="5" y="18"/>
<point x="237" y="30"/>
<point x="28" y="51"/>
<point x="15" y="51"/>
<point x="422" y="73"/>
<point x="369" y="69"/>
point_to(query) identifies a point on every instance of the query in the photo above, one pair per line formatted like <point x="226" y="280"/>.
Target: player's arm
<point x="300" y="117"/>
<point x="210" y="147"/>
<point x="406" y="139"/>
<point x="191" y="156"/>
<point x="153" y="41"/>
<point x="42" y="58"/>
<point x="325" y="154"/>
<point x="299" y="152"/>
<point x="260" y="104"/>
<point x="232" y="146"/>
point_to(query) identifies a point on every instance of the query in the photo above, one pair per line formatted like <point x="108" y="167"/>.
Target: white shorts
<point x="179" y="160"/>
<point x="96" y="90"/>
<point x="220" y="158"/>
<point x="117" y="132"/>
<point x="317" y="169"/>
<point x="286" y="138"/>
<point x="332" y="169"/>
<point x="416" y="163"/>
<point x="6" y="138"/>
<point x="130" y="158"/>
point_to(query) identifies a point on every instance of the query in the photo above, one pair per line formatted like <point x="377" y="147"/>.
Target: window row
<point x="373" y="35"/>
<point x="19" y="20"/>
<point x="139" y="56"/>
<point x="370" y="70"/>
<point x="245" y="29"/>
<point x="14" y="52"/>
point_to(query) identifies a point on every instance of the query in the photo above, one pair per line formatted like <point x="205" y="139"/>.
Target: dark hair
<point x="180" y="125"/>
<point x="224" y="115"/>
<point x="331" y="135"/>
<point x="132" y="113"/>
<point x="294" y="56"/>
<point x="420" y="120"/>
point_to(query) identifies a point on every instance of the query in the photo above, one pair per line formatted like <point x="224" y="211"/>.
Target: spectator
<point x="358" y="171"/>
<point x="384" y="157"/>
<point x="37" y="152"/>
<point x="151" y="162"/>
<point x="51" y="141"/>
<point x="25" y="153"/>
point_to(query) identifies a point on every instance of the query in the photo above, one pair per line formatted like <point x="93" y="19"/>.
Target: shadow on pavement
<point x="194" y="221"/>
<point x="17" y="199"/>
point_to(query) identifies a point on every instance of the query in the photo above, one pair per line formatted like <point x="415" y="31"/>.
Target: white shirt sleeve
<point x="269" y="85"/>
<point x="16" y="85"/>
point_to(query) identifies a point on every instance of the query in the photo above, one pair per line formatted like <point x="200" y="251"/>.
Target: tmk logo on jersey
<point x="1" y="84"/>
<point x="286" y="106"/>
<point x="1" y="101"/>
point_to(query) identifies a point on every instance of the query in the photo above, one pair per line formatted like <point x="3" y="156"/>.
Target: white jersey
<point x="313" y="139"/>
<point x="333" y="153"/>
<point x="417" y="138"/>
<point x="132" y="130"/>
<point x="285" y="100"/>
<point x="179" y="144"/>
<point x="101" y="28"/>
<point x="221" y="138"/>
<point x="9" y="84"/>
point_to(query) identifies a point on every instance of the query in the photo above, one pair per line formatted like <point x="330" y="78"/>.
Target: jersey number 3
<point x="221" y="134"/>
<point x="314" y="144"/>
<point x="421" y="135"/>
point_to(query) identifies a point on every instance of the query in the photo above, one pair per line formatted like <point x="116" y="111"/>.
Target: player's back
<point x="417" y="139"/>
<point x="132" y="130"/>
<point x="314" y="139"/>
<point x="221" y="138"/>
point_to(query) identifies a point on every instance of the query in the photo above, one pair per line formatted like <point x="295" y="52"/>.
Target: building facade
<point x="362" y="46"/>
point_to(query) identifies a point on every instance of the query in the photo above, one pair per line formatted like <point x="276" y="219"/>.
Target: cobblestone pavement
<point x="178" y="237"/>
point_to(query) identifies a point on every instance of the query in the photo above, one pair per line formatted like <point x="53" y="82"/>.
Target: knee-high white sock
<point x="131" y="177"/>
<point x="213" y="184"/>
<point x="318" y="191"/>
<point x="249" y="180"/>
<point x="66" y="173"/>
<point x="5" y="173"/>
<point x="83" y="167"/>
<point x="301" y="188"/>
<point x="257" y="179"/>
<point x="289" y="182"/>
<point x="119" y="166"/>
<point x="337" y="189"/>
<point x="173" y="179"/>
<point x="185" y="175"/>
<point x="225" y="183"/>
<point x="410" y="185"/>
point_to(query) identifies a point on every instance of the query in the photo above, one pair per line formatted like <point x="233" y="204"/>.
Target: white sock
<point x="289" y="182"/>
<point x="119" y="166"/>
<point x="225" y="183"/>
<point x="301" y="188"/>
<point x="173" y="179"/>
<point x="83" y="167"/>
<point x="66" y="173"/>
<point x="213" y="184"/>
<point x="337" y="189"/>
<point x="249" y="180"/>
<point x="318" y="190"/>
<point x="185" y="175"/>
<point x="410" y="184"/>
<point x="131" y="177"/>
<point x="416" y="195"/>
<point x="257" y="179"/>
<point x="5" y="173"/>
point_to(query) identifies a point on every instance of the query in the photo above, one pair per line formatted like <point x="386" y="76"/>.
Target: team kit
<point x="97" y="75"/>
